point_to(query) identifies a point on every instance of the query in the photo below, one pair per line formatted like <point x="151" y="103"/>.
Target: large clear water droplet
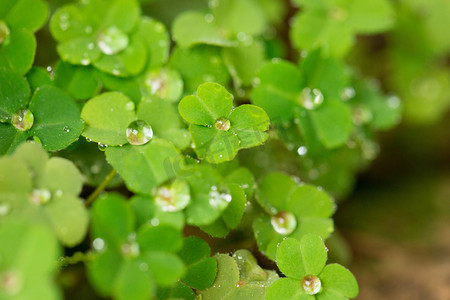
<point x="11" y="282"/>
<point x="112" y="40"/>
<point x="22" y="119"/>
<point x="40" y="196"/>
<point x="311" y="99"/>
<point x="311" y="284"/>
<point x="219" y="199"/>
<point x="4" y="32"/>
<point x="173" y="197"/>
<point x="222" y="124"/>
<point x="284" y="222"/>
<point x="139" y="133"/>
<point x="5" y="208"/>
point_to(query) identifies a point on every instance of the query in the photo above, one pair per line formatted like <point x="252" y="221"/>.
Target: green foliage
<point x="216" y="136"/>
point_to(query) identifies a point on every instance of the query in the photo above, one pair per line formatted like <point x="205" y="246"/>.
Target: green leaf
<point x="232" y="215"/>
<point x="192" y="27"/>
<point x="311" y="201"/>
<point x="144" y="167"/>
<point x="132" y="283"/>
<point x="249" y="122"/>
<point x="112" y="219"/>
<point x="249" y="270"/>
<point x="10" y="137"/>
<point x="194" y="249"/>
<point x="243" y="62"/>
<point x="124" y="14"/>
<point x="107" y="117"/>
<point x="60" y="175"/>
<point x="201" y="275"/>
<point x="14" y="94"/>
<point x="199" y="64"/>
<point x="103" y="270"/>
<point x="177" y="291"/>
<point x="244" y="178"/>
<point x="159" y="238"/>
<point x="338" y="280"/>
<point x="167" y="268"/>
<point x="69" y="22"/>
<point x="372" y="16"/>
<point x="218" y="229"/>
<point x="79" y="51"/>
<point x="157" y="41"/>
<point x="165" y="83"/>
<point x="28" y="14"/>
<point x="280" y="85"/>
<point x="287" y="288"/>
<point x="36" y="160"/>
<point x="273" y="191"/>
<point x="79" y="82"/>
<point x="211" y="103"/>
<point x="37" y="77"/>
<point x="57" y="120"/>
<point x="333" y="123"/>
<point x="18" y="53"/>
<point x="226" y="279"/>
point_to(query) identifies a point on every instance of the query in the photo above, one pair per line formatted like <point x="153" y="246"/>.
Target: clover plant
<point x="179" y="149"/>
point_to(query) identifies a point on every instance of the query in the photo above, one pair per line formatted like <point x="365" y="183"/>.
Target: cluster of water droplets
<point x="283" y="222"/>
<point x="219" y="199"/>
<point x="173" y="197"/>
<point x="4" y="32"/>
<point x="311" y="98"/>
<point x="139" y="132"/>
<point x="130" y="249"/>
<point x="22" y="119"/>
<point x="112" y="40"/>
<point x="311" y="284"/>
<point x="40" y="196"/>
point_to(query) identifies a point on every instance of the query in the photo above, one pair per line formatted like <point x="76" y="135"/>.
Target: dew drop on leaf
<point x="348" y="93"/>
<point x="209" y="18"/>
<point x="98" y="244"/>
<point x="66" y="129"/>
<point x="218" y="199"/>
<point x="284" y="222"/>
<point x="311" y="99"/>
<point x="130" y="249"/>
<point x="302" y="150"/>
<point x="311" y="284"/>
<point x="173" y="197"/>
<point x="4" y="32"/>
<point x="222" y="124"/>
<point x="40" y="196"/>
<point x="102" y="147"/>
<point x="139" y="133"/>
<point x="112" y="40"/>
<point x="11" y="282"/>
<point x="22" y="119"/>
<point x="5" y="208"/>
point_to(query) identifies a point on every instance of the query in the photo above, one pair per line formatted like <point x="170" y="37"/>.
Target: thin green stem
<point x="74" y="259"/>
<point x="100" y="188"/>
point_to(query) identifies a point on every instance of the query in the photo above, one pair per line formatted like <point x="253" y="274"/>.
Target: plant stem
<point x="74" y="259"/>
<point x="100" y="188"/>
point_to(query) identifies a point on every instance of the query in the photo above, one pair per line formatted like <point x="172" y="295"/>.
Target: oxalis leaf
<point x="303" y="262"/>
<point x="218" y="131"/>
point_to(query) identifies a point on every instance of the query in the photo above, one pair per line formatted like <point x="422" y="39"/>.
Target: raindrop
<point x="98" y="244"/>
<point x="213" y="4"/>
<point x="302" y="150"/>
<point x="154" y="222"/>
<point x="256" y="81"/>
<point x="311" y="284"/>
<point x="393" y="102"/>
<point x="284" y="222"/>
<point x="5" y="208"/>
<point x="362" y="115"/>
<point x="85" y="61"/>
<point x="173" y="197"/>
<point x="90" y="46"/>
<point x="22" y="119"/>
<point x="88" y="29"/>
<point x="4" y="32"/>
<point x="139" y="133"/>
<point x="116" y="72"/>
<point x="209" y="18"/>
<point x="40" y="196"/>
<point x="348" y="93"/>
<point x="222" y="124"/>
<point x="112" y="40"/>
<point x="276" y="60"/>
<point x="129" y="106"/>
<point x="130" y="249"/>
<point x="102" y="147"/>
<point x="311" y="99"/>
<point x="217" y="199"/>
<point x="66" y="129"/>
<point x="11" y="282"/>
<point x="95" y="168"/>
<point x="64" y="23"/>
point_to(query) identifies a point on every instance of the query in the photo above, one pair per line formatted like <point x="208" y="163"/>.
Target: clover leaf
<point x="239" y="277"/>
<point x="18" y="22"/>
<point x="49" y="196"/>
<point x="29" y="253"/>
<point x="287" y="94"/>
<point x="303" y="262"/>
<point x="102" y="33"/>
<point x="218" y="131"/>
<point x="333" y="26"/>
<point x="131" y="261"/>
<point x="220" y="27"/>
<point x="50" y="114"/>
<point x="293" y="210"/>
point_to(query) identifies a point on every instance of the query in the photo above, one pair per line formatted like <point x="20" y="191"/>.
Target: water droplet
<point x="85" y="61"/>
<point x="40" y="196"/>
<point x="393" y="102"/>
<point x="22" y="119"/>
<point x="284" y="222"/>
<point x="213" y="3"/>
<point x="154" y="222"/>
<point x="241" y="93"/>
<point x="64" y="22"/>
<point x="4" y="32"/>
<point x="11" y="282"/>
<point x="88" y="29"/>
<point x="90" y="46"/>
<point x="5" y="208"/>
<point x="209" y="18"/>
<point x="112" y="40"/>
<point x="276" y="60"/>
<point x="362" y="115"/>
<point x="370" y="149"/>
<point x="256" y="81"/>
<point x="139" y="133"/>
<point x="302" y="150"/>
<point x="66" y="129"/>
<point x="130" y="249"/>
<point x="173" y="197"/>
<point x="311" y="99"/>
<point x="311" y="284"/>
<point x="208" y="78"/>
<point x="98" y="244"/>
<point x="59" y="193"/>
<point x="304" y="54"/>
<point x="222" y="124"/>
<point x="348" y="93"/>
<point x="102" y="147"/>
<point x="218" y="199"/>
